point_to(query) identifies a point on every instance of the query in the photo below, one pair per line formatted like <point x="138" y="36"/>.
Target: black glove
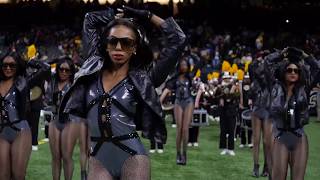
<point x="140" y="14"/>
<point x="295" y="51"/>
<point x="294" y="54"/>
<point x="34" y="63"/>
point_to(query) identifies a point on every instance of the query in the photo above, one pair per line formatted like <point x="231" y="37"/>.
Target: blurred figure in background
<point x="228" y="103"/>
<point x="261" y="123"/>
<point x="183" y="107"/>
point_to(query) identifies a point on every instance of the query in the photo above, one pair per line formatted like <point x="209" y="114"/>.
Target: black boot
<point x="255" y="171"/>
<point x="265" y="171"/>
<point x="83" y="175"/>
<point x="184" y="158"/>
<point x="178" y="160"/>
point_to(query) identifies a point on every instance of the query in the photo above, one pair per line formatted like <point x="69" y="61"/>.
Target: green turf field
<point x="204" y="162"/>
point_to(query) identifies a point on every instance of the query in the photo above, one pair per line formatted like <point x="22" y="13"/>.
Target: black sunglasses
<point x="127" y="44"/>
<point x="9" y="65"/>
<point x="64" y="70"/>
<point x="292" y="70"/>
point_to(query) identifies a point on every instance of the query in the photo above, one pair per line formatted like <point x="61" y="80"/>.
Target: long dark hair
<point x="142" y="58"/>
<point x="71" y="66"/>
<point x="184" y="58"/>
<point x="302" y="73"/>
<point x="21" y="64"/>
<point x="187" y="74"/>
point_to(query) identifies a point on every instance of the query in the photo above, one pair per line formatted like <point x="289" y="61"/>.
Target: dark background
<point x="222" y="14"/>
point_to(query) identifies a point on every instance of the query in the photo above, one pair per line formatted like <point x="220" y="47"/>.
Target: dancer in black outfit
<point x="115" y="92"/>
<point x="296" y="72"/>
<point x="15" y="133"/>
<point x="261" y="124"/>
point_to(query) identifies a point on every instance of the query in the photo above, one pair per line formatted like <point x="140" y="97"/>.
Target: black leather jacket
<point x="36" y="73"/>
<point x="52" y="95"/>
<point x="260" y="84"/>
<point x="22" y="101"/>
<point x="291" y="114"/>
<point x="149" y="117"/>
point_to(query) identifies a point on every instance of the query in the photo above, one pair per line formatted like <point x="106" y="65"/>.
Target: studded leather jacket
<point x="149" y="117"/>
<point x="21" y="104"/>
<point x="260" y="85"/>
<point x="290" y="114"/>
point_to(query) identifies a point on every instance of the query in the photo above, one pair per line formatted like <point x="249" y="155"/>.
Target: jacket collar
<point x="146" y="90"/>
<point x="139" y="78"/>
<point x="91" y="66"/>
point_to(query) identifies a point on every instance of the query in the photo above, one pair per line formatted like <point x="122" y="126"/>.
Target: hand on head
<point x="136" y="13"/>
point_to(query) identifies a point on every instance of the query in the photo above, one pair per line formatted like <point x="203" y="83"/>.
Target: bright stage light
<point x="162" y="1"/>
<point x="4" y="1"/>
<point x="112" y="1"/>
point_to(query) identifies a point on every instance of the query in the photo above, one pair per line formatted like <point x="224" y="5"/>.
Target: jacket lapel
<point x="146" y="90"/>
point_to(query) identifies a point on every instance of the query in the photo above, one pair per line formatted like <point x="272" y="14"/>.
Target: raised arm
<point x="170" y="54"/>
<point x="174" y="43"/>
<point x="92" y="24"/>
<point x="37" y="71"/>
<point x="314" y="69"/>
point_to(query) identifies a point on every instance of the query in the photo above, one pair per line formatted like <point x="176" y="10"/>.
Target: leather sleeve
<point x="170" y="54"/>
<point x="76" y="104"/>
<point x="43" y="72"/>
<point x="92" y="24"/>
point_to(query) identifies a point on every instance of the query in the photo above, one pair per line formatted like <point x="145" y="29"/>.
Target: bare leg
<point x="83" y="148"/>
<point x="55" y="147"/>
<point x="187" y="117"/>
<point x="97" y="171"/>
<point x="267" y="146"/>
<point x="20" y="154"/>
<point x="136" y="168"/>
<point x="299" y="158"/>
<point x="5" y="170"/>
<point x="256" y="130"/>
<point x="68" y="141"/>
<point x="178" y="114"/>
<point x="280" y="155"/>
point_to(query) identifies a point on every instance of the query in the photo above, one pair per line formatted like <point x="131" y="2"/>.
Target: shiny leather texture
<point x="149" y="117"/>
